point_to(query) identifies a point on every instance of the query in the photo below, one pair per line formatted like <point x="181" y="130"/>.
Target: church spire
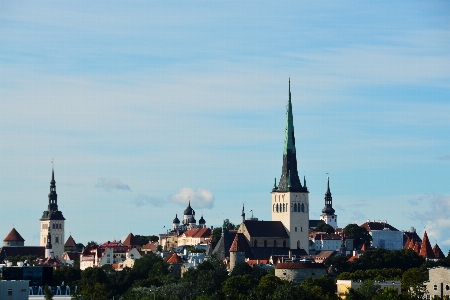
<point x="289" y="180"/>
<point x="243" y="213"/>
<point x="328" y="209"/>
<point x="52" y="196"/>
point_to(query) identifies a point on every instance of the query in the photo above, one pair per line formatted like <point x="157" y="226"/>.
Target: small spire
<point x="304" y="181"/>
<point x="275" y="184"/>
<point x="328" y="185"/>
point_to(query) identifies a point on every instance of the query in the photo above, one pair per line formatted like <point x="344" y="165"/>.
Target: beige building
<point x="438" y="283"/>
<point x="344" y="285"/>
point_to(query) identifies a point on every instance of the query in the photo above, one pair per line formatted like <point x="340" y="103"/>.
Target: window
<point x="9" y="292"/>
<point x="57" y="240"/>
<point x="435" y="287"/>
<point x="53" y="226"/>
<point x="447" y="287"/>
<point x="303" y="207"/>
<point x="265" y="243"/>
<point x="298" y="244"/>
<point x="295" y="207"/>
<point x="301" y="229"/>
<point x="295" y="229"/>
<point x="428" y="297"/>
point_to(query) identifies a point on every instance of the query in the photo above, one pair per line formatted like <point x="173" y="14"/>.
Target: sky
<point x="143" y="105"/>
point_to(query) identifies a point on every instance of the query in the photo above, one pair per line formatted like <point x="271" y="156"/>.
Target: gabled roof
<point x="378" y="226"/>
<point x="70" y="242"/>
<point x="222" y="249"/>
<point x="325" y="236"/>
<point x="237" y="245"/>
<point x="273" y="229"/>
<point x="175" y="259"/>
<point x="13" y="236"/>
<point x="131" y="240"/>
<point x="426" y="250"/>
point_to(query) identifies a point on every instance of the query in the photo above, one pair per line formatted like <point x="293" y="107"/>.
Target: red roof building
<point x="426" y="250"/>
<point x="438" y="254"/>
<point x="131" y="241"/>
<point x="13" y="239"/>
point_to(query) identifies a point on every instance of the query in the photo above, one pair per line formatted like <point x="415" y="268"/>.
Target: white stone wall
<point x="439" y="282"/>
<point x="299" y="275"/>
<point x="296" y="222"/>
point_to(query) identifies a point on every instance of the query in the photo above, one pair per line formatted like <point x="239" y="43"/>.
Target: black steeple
<point x="243" y="213"/>
<point x="52" y="212"/>
<point x="49" y="240"/>
<point x="289" y="181"/>
<point x="328" y="209"/>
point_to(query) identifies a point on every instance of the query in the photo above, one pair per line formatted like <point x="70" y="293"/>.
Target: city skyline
<point x="142" y="105"/>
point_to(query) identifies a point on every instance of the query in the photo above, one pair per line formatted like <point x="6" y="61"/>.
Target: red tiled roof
<point x="416" y="247"/>
<point x="70" y="242"/>
<point x="353" y="258"/>
<point x="150" y="245"/>
<point x="237" y="245"/>
<point x="14" y="236"/>
<point x="295" y="265"/>
<point x="426" y="250"/>
<point x="198" y="233"/>
<point x="175" y="259"/>
<point x="131" y="240"/>
<point x="377" y="226"/>
<point x="363" y="247"/>
<point x="72" y="255"/>
<point x="438" y="252"/>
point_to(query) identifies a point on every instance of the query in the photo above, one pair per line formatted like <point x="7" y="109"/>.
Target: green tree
<point x="68" y="275"/>
<point x="91" y="243"/>
<point x="95" y="291"/>
<point x="360" y="235"/>
<point x="323" y="286"/>
<point x="241" y="269"/>
<point x="323" y="227"/>
<point x="412" y="283"/>
<point x="216" y="234"/>
<point x="236" y="287"/>
<point x="48" y="293"/>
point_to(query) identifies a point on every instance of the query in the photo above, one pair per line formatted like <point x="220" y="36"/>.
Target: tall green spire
<point x="289" y="180"/>
<point x="289" y="138"/>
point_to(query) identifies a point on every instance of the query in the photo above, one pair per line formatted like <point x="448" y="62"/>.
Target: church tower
<point x="290" y="202"/>
<point x="328" y="215"/>
<point x="52" y="222"/>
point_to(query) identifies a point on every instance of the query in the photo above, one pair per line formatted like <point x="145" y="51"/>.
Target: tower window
<point x="56" y="240"/>
<point x="295" y="207"/>
<point x="295" y="229"/>
<point x="265" y="243"/>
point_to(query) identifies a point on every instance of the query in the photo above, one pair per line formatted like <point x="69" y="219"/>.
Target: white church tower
<point x="328" y="215"/>
<point x="52" y="222"/>
<point x="290" y="202"/>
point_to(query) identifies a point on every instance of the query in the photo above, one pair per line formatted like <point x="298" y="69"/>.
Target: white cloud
<point x="143" y="199"/>
<point x="200" y="198"/>
<point x="109" y="184"/>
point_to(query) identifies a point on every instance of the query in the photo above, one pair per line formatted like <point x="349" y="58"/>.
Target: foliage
<point x="324" y="286"/>
<point x="68" y="275"/>
<point x="340" y="263"/>
<point x="144" y="239"/>
<point x="216" y="234"/>
<point x="48" y="293"/>
<point x="30" y="259"/>
<point x="91" y="243"/>
<point x="372" y="274"/>
<point x="241" y="269"/>
<point x="193" y="249"/>
<point x="360" y="235"/>
<point x="236" y="287"/>
<point x="412" y="283"/>
<point x="323" y="227"/>
<point x="381" y="258"/>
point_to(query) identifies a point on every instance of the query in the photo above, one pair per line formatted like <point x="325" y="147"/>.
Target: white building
<point x="384" y="235"/>
<point x="326" y="242"/>
<point x="438" y="283"/>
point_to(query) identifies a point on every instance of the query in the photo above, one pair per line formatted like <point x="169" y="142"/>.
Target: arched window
<point x="60" y="226"/>
<point x="295" y="207"/>
<point x="284" y="207"/>
<point x="255" y="243"/>
<point x="303" y="207"/>
<point x="265" y="243"/>
<point x="275" y="243"/>
<point x="277" y="207"/>
<point x="284" y="244"/>
<point x="273" y="209"/>
<point x="298" y="244"/>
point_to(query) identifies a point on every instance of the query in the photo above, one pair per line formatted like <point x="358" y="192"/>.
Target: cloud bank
<point x="200" y="198"/>
<point x="109" y="184"/>
<point x="143" y="199"/>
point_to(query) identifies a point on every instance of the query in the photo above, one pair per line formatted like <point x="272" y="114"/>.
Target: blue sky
<point x="143" y="104"/>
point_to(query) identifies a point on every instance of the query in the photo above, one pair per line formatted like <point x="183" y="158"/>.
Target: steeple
<point x="289" y="181"/>
<point x="52" y="211"/>
<point x="243" y="213"/>
<point x="328" y="209"/>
